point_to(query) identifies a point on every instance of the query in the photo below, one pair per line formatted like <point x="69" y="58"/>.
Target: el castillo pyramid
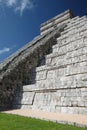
<point x="50" y="72"/>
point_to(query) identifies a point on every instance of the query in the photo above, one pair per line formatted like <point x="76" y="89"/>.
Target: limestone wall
<point x="50" y="72"/>
<point x="19" y="69"/>
<point x="61" y="84"/>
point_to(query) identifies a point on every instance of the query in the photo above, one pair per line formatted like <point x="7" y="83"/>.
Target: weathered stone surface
<point x="19" y="69"/>
<point x="56" y="22"/>
<point x="34" y="79"/>
<point x="25" y="98"/>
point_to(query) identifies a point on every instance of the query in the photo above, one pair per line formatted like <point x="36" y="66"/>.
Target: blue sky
<point x="20" y="20"/>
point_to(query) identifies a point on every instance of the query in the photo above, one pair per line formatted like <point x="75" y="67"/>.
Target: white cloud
<point x="4" y="50"/>
<point x="11" y="2"/>
<point x="18" y="5"/>
<point x="25" y="4"/>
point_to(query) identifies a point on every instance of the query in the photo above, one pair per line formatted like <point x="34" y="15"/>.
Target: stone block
<point x="26" y="106"/>
<point x="81" y="104"/>
<point x="77" y="19"/>
<point x="77" y="59"/>
<point x="41" y="85"/>
<point x="74" y="104"/>
<point x="48" y="61"/>
<point x="41" y="75"/>
<point x="48" y="99"/>
<point x="51" y="74"/>
<point x="27" y="98"/>
<point x="84" y="89"/>
<point x="76" y="53"/>
<point x="75" y="29"/>
<point x="82" y="110"/>
<point x="84" y="94"/>
<point x="76" y="68"/>
<point x="58" y="61"/>
<point x="27" y="88"/>
<point x="57" y="109"/>
<point x="70" y="110"/>
<point x="85" y="104"/>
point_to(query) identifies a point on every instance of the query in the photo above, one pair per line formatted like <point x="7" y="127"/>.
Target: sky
<point x="20" y="20"/>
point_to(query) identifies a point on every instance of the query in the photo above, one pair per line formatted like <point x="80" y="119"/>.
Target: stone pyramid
<point x="50" y="72"/>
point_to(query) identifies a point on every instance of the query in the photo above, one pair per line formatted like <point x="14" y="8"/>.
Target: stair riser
<point x="77" y="21"/>
<point x="61" y="84"/>
<point x="74" y="29"/>
<point x="70" y="46"/>
<point x="72" y="37"/>
<point x="57" y="83"/>
<point x="60" y="100"/>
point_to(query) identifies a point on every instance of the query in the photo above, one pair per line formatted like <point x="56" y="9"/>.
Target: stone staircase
<point x="19" y="69"/>
<point x="61" y="84"/>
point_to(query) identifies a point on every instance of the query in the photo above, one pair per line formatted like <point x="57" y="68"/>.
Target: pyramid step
<point x="78" y="20"/>
<point x="74" y="27"/>
<point x="74" y="18"/>
<point x="64" y="41"/>
<point x="73" y="39"/>
<point x="82" y="49"/>
<point x="77" y="25"/>
<point x="81" y="52"/>
<point x="55" y="25"/>
<point x="65" y="77"/>
<point x="25" y="98"/>
<point x="55" y="59"/>
<point x="81" y="32"/>
<point x="61" y="80"/>
<point x="77" y="68"/>
<point x="70" y="43"/>
<point x="68" y="58"/>
<point x="55" y="21"/>
<point x="72" y="68"/>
